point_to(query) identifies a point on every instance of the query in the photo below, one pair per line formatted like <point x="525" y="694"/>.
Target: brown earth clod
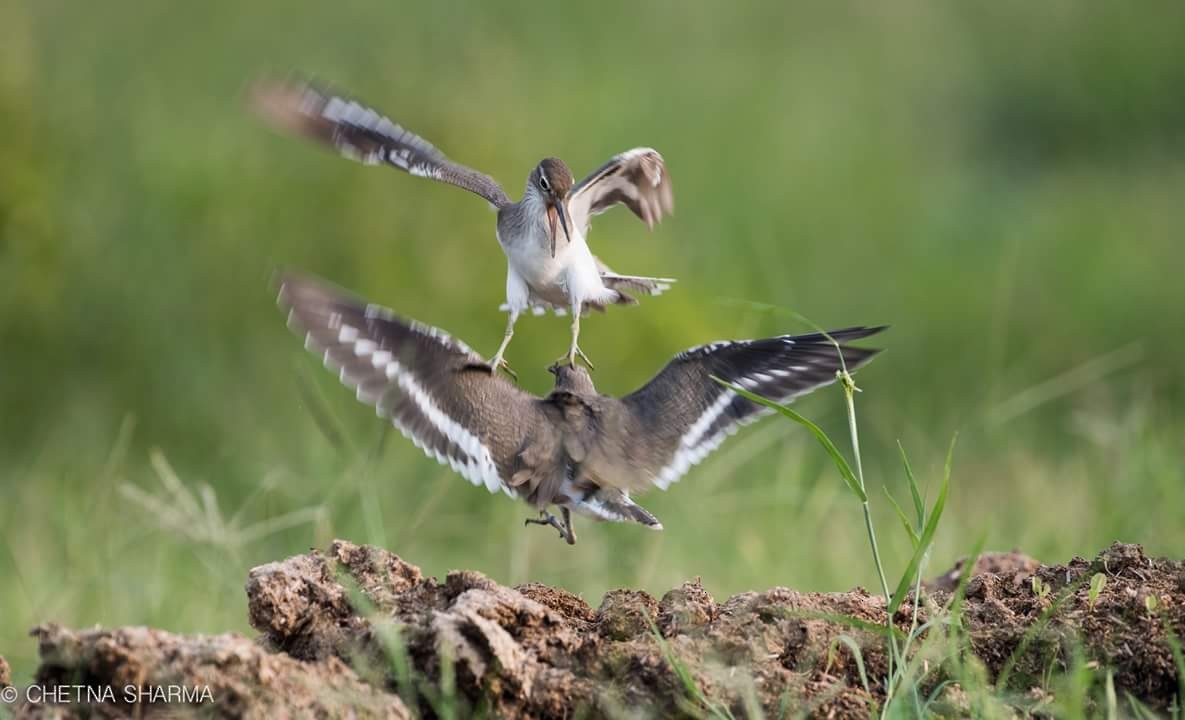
<point x="537" y="651"/>
<point x="137" y="671"/>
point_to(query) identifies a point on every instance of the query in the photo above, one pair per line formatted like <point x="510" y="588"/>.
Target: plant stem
<point x="849" y="389"/>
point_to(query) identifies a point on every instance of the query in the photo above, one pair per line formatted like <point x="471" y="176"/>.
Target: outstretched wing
<point x="682" y="415"/>
<point x="418" y="377"/>
<point x="363" y="134"/>
<point x="636" y="178"/>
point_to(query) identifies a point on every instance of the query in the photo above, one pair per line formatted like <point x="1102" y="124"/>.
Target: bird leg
<point x="564" y="528"/>
<point x="574" y="351"/>
<point x="497" y="361"/>
<point x="568" y="526"/>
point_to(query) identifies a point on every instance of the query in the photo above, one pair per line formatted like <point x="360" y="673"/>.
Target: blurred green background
<point x="1002" y="182"/>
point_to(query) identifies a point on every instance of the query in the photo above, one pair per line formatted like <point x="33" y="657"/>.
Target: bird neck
<point x="533" y="205"/>
<point x="568" y="402"/>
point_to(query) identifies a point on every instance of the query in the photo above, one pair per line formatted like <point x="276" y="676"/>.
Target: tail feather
<point x="614" y="506"/>
<point x="636" y="283"/>
<point x="620" y="286"/>
<point x="633" y="283"/>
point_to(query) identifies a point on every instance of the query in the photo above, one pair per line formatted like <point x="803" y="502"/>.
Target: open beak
<point x="556" y="211"/>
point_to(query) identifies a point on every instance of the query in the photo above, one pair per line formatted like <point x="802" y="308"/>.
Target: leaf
<point x="1097" y="582"/>
<point x="927" y="535"/>
<point x="919" y="505"/>
<point x="1039" y="588"/>
<point x="913" y="535"/>
<point x="840" y="463"/>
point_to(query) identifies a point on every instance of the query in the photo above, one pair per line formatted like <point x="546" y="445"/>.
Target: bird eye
<point x="543" y="182"/>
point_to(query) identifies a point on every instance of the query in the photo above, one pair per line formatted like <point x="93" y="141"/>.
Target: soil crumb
<point x="351" y="630"/>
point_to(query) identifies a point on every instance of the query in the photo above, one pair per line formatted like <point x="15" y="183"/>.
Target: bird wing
<point x="682" y="415"/>
<point x="421" y="379"/>
<point x="637" y="178"/>
<point x="365" y="135"/>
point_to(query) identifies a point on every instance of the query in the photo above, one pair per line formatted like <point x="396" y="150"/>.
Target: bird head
<point x="573" y="379"/>
<point x="552" y="180"/>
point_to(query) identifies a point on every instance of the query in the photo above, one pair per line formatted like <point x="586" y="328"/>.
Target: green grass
<point x="901" y="679"/>
<point x="1001" y="183"/>
<point x="942" y="655"/>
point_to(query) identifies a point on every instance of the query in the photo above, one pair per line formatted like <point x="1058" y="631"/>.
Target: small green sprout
<point x="1097" y="582"/>
<point x="1040" y="589"/>
<point x="1151" y="603"/>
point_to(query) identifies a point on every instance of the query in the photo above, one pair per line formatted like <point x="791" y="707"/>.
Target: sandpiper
<point x="543" y="272"/>
<point x="575" y="449"/>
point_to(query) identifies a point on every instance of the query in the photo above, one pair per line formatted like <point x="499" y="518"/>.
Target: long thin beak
<point x="552" y="214"/>
<point x="559" y="206"/>
<point x="558" y="211"/>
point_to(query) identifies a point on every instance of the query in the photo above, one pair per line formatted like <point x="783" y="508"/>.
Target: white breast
<point x="572" y="272"/>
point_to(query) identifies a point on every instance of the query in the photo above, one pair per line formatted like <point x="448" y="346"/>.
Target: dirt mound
<point x="136" y="670"/>
<point x="343" y="630"/>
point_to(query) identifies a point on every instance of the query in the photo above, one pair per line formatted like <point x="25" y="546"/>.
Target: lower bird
<point x="543" y="273"/>
<point x="575" y="449"/>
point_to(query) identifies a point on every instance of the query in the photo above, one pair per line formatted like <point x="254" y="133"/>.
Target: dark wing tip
<point x="842" y="335"/>
<point x="853" y="357"/>
<point x="857" y="331"/>
<point x="281" y="103"/>
<point x="293" y="285"/>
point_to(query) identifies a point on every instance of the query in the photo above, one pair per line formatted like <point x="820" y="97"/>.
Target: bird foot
<point x="570" y="358"/>
<point x="495" y="365"/>
<point x="564" y="528"/>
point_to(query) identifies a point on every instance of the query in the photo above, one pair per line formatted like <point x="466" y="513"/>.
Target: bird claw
<point x="495" y="365"/>
<point x="585" y="359"/>
<point x="570" y="359"/>
<point x="564" y="528"/>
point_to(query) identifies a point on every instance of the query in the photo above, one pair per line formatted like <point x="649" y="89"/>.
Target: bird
<point x="543" y="273"/>
<point x="574" y="449"/>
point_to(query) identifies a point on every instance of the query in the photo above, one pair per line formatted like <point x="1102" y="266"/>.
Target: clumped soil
<point x="342" y="631"/>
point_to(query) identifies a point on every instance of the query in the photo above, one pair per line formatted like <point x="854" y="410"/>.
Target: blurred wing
<point x="362" y="134"/>
<point x="636" y="178"/>
<point x="682" y="415"/>
<point x="417" y="376"/>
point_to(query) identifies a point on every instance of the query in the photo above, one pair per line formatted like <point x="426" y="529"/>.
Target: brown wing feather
<point x="682" y="414"/>
<point x="365" y="135"/>
<point x="421" y="379"/>
<point x="635" y="178"/>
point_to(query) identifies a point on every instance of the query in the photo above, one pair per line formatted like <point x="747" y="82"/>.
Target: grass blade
<point x="913" y="534"/>
<point x="919" y="505"/>
<point x="927" y="534"/>
<point x="697" y="702"/>
<point x="1178" y="658"/>
<point x="857" y="655"/>
<point x="1139" y="709"/>
<point x="840" y="463"/>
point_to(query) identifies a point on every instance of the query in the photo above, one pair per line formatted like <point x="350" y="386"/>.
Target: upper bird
<point x="543" y="272"/>
<point x="575" y="449"/>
